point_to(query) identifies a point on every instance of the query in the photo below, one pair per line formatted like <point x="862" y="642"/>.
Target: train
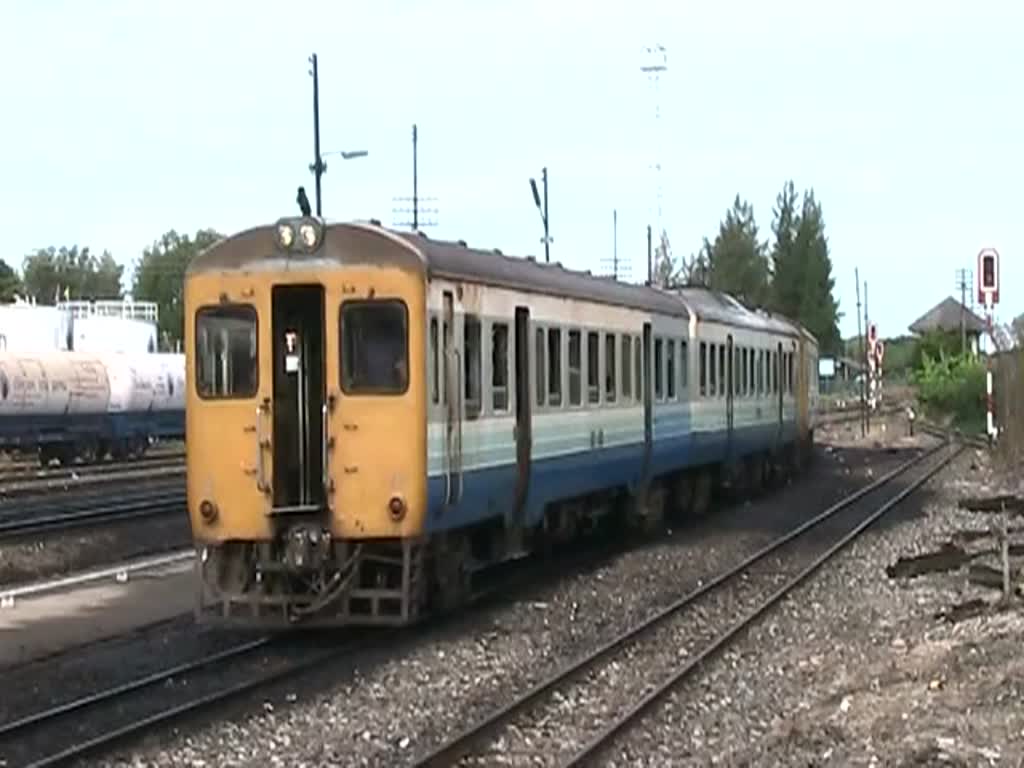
<point x="67" y="407"/>
<point x="374" y="416"/>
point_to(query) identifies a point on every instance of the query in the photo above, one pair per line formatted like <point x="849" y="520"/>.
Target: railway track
<point x="88" y="724"/>
<point x="81" y="726"/>
<point x="19" y="518"/>
<point x="25" y="478"/>
<point x="544" y="726"/>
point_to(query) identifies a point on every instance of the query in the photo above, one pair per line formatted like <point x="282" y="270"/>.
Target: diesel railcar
<point x="372" y="414"/>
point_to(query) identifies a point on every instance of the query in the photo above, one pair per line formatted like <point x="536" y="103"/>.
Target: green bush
<point x="953" y="387"/>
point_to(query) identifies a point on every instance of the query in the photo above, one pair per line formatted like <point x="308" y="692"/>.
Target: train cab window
<point x="609" y="368"/>
<point x="554" y="367"/>
<point x="226" y="352"/>
<point x="541" y="367"/>
<point x="627" y="369"/>
<point x="435" y="389"/>
<point x="659" y="365"/>
<point x="575" y="368"/>
<point x="593" y="366"/>
<point x="499" y="367"/>
<point x="638" y="368"/>
<point x="374" y="347"/>
<point x="670" y="369"/>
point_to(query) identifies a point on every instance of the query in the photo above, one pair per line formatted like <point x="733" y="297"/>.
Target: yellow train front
<point x="306" y="442"/>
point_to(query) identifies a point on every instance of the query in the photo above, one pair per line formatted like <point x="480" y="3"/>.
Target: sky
<point x="126" y="119"/>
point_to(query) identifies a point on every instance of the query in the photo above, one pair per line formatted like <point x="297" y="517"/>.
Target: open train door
<point x="777" y="374"/>
<point x="729" y="393"/>
<point x="452" y="362"/>
<point x="524" y="421"/>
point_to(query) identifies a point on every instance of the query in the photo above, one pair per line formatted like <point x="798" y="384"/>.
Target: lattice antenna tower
<point x="421" y="210"/>
<point x="655" y="65"/>
<point x="616" y="266"/>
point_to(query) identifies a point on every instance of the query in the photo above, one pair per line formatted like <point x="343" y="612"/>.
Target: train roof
<point x="719" y="307"/>
<point x="369" y="243"/>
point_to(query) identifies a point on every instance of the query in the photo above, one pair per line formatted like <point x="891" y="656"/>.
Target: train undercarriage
<point x="305" y="577"/>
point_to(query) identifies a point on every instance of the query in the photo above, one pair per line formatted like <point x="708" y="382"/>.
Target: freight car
<point x="69" y="406"/>
<point x="374" y="415"/>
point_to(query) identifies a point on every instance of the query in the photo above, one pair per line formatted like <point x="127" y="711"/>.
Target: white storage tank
<point x="168" y="371"/>
<point x="102" y="333"/>
<point x="31" y="328"/>
<point x="52" y="384"/>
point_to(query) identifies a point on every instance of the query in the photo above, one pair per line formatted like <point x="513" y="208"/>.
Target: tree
<point x="665" y="272"/>
<point x="802" y="282"/>
<point x="160" y="277"/>
<point x="696" y="270"/>
<point x="51" y="274"/>
<point x="10" y="283"/>
<point x="737" y="260"/>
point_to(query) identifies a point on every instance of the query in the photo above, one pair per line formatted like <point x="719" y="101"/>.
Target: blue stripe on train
<point x="490" y="492"/>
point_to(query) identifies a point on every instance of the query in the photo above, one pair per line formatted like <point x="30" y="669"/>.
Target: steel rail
<point x="458" y="746"/>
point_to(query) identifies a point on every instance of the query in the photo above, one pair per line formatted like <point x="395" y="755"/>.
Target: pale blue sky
<point x="124" y="119"/>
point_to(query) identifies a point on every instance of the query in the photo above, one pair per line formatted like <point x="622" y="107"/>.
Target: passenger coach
<point x="373" y="415"/>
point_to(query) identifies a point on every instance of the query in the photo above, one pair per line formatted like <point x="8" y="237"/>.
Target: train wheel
<point x="452" y="576"/>
<point x="702" y="492"/>
<point x="755" y="475"/>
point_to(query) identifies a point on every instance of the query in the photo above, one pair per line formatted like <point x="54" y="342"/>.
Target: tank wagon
<point x="74" y="405"/>
<point x="374" y="415"/>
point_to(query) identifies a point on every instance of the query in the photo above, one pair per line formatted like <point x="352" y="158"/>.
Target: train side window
<point x="435" y="390"/>
<point x="670" y="369"/>
<point x="554" y="367"/>
<point x="684" y="366"/>
<point x="609" y="368"/>
<point x="575" y="367"/>
<point x="499" y="367"/>
<point x="638" y="368"/>
<point x="593" y="366"/>
<point x="789" y="372"/>
<point x="627" y="369"/>
<point x="472" y="359"/>
<point x="374" y="347"/>
<point x="723" y="373"/>
<point x="737" y="377"/>
<point x="702" y="363"/>
<point x="227" y="362"/>
<point x="746" y="372"/>
<point x="442" y="361"/>
<point x="712" y="372"/>
<point x="541" y="367"/>
<point x="659" y="393"/>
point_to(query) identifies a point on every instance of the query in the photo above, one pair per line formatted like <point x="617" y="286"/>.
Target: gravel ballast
<point x="394" y="707"/>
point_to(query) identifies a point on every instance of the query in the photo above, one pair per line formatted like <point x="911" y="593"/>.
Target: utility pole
<point x="650" y="258"/>
<point x="318" y="164"/>
<point x="962" y="279"/>
<point x="421" y="216"/>
<point x="867" y="353"/>
<point x="862" y="354"/>
<point x="543" y="208"/>
<point x="615" y="243"/>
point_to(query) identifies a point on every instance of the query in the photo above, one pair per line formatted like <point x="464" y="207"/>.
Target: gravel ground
<point x="395" y="706"/>
<point x="59" y="553"/>
<point x="856" y="668"/>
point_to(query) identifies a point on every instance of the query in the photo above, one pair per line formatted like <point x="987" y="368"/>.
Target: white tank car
<point x="52" y="383"/>
<point x="145" y="382"/>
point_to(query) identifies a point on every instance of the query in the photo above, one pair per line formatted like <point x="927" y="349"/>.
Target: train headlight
<point x="208" y="511"/>
<point x="310" y="235"/>
<point x="396" y="508"/>
<point x="285" y="236"/>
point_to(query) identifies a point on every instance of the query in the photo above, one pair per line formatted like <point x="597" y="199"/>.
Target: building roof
<point x="945" y="316"/>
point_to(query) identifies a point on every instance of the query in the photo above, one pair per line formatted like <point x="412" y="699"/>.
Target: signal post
<point x="988" y="294"/>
